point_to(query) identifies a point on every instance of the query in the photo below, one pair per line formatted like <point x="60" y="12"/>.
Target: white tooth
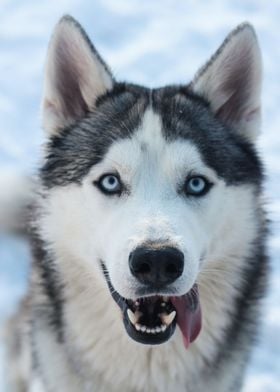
<point x="137" y="327"/>
<point x="168" y="318"/>
<point x="158" y="329"/>
<point x="137" y="303"/>
<point x="163" y="328"/>
<point x="131" y="316"/>
<point x="148" y="330"/>
<point x="163" y="304"/>
<point x="143" y="328"/>
<point x="153" y="331"/>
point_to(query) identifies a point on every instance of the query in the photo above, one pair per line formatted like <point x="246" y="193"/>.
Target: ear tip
<point x="67" y="19"/>
<point x="69" y="25"/>
<point x="245" y="28"/>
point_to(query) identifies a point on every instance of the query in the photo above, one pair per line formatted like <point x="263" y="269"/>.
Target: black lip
<point x="138" y="336"/>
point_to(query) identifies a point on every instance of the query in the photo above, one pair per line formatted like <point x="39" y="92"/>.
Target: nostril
<point x="171" y="269"/>
<point x="143" y="268"/>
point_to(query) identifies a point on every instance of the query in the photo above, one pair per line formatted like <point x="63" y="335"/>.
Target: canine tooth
<point x="137" y="314"/>
<point x="163" y="328"/>
<point x="137" y="327"/>
<point x="134" y="317"/>
<point x="168" y="318"/>
<point x="131" y="316"/>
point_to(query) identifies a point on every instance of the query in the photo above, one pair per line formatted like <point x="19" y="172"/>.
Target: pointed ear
<point x="231" y="82"/>
<point x="75" y="76"/>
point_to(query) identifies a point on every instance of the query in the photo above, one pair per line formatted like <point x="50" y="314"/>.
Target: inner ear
<point x="231" y="82"/>
<point x="75" y="76"/>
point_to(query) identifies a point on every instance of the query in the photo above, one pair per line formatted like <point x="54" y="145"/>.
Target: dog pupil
<point x="196" y="183"/>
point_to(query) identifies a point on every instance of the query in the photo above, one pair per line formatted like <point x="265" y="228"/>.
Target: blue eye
<point x="109" y="184"/>
<point x="197" y="186"/>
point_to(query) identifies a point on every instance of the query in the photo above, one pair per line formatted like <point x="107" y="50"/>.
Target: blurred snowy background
<point x="150" y="42"/>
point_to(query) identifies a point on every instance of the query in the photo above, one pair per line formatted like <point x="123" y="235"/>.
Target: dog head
<point x="146" y="187"/>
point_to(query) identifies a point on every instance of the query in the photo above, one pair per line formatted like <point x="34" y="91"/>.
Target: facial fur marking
<point x="191" y="119"/>
<point x="71" y="153"/>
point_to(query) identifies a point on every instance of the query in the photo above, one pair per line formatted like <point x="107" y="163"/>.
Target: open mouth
<point x="153" y="320"/>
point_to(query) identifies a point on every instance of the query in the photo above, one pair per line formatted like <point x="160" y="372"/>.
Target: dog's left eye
<point x="196" y="186"/>
<point x="109" y="184"/>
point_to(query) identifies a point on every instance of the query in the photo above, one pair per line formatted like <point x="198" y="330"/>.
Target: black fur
<point x="77" y="148"/>
<point x="184" y="115"/>
<point x="188" y="116"/>
<point x="51" y="285"/>
<point x="242" y="332"/>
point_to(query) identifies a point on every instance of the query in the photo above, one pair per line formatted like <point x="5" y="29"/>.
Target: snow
<point x="150" y="42"/>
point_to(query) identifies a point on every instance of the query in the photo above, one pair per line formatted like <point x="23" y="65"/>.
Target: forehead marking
<point x="149" y="134"/>
<point x="148" y="151"/>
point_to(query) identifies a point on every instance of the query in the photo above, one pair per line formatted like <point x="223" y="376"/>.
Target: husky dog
<point x="148" y="233"/>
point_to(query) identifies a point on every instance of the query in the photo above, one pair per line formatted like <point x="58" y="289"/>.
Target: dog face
<point x="144" y="186"/>
<point x="152" y="196"/>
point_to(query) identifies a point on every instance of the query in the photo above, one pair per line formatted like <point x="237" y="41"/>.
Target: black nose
<point x="158" y="267"/>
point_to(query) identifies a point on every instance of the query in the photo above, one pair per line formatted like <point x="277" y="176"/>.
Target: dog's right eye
<point x="197" y="186"/>
<point x="109" y="184"/>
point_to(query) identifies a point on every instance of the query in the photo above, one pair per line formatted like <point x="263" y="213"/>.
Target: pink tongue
<point x="188" y="319"/>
